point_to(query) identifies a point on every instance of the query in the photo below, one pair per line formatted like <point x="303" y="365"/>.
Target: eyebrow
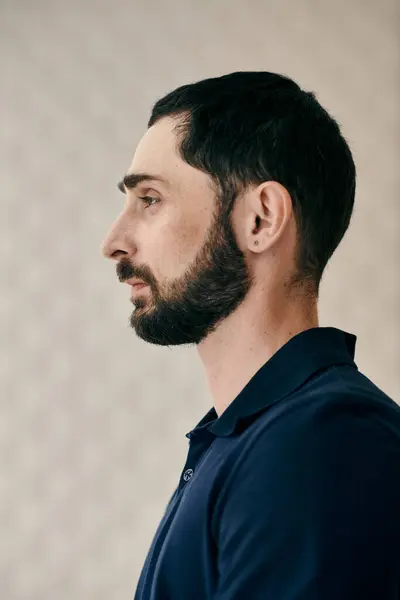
<point x="132" y="180"/>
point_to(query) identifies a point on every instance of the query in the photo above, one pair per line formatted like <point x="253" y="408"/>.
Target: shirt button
<point x="187" y="474"/>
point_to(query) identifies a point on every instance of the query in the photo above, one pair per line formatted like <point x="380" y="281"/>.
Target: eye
<point x="149" y="200"/>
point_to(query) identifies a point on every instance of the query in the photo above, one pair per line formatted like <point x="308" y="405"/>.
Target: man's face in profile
<point x="172" y="237"/>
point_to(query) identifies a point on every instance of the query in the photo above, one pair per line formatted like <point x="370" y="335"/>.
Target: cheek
<point x="177" y="248"/>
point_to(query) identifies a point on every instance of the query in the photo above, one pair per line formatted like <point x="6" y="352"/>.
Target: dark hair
<point x="252" y="126"/>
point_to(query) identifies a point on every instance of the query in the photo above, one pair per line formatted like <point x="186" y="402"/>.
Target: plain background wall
<point x="92" y="419"/>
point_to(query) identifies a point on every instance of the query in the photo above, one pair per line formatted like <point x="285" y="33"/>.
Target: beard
<point x="212" y="287"/>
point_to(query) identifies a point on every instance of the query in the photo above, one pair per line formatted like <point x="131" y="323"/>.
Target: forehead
<point x="157" y="144"/>
<point x="157" y="153"/>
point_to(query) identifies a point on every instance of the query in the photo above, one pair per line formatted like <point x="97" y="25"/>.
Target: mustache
<point x="125" y="271"/>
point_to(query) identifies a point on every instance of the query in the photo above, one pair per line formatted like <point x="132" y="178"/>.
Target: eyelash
<point x="145" y="200"/>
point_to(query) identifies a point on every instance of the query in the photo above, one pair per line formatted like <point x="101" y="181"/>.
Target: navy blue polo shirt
<point x="292" y="493"/>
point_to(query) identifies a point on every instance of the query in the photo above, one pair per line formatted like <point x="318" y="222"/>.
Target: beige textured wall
<point x="93" y="420"/>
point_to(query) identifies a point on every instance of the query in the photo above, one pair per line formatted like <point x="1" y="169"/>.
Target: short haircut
<point x="247" y="127"/>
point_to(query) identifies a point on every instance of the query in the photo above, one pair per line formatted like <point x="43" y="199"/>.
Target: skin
<point x="209" y="284"/>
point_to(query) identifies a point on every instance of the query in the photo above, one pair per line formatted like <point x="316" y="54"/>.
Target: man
<point x="237" y="196"/>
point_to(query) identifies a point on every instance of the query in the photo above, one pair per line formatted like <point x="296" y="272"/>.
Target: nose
<point x="116" y="242"/>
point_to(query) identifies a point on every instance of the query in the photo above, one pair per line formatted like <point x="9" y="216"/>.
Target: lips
<point x="135" y="282"/>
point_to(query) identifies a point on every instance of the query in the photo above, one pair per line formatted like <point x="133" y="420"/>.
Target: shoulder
<point x="335" y="441"/>
<point x="314" y="492"/>
<point x="340" y="406"/>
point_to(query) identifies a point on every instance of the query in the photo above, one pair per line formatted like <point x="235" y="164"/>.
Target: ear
<point x="268" y="213"/>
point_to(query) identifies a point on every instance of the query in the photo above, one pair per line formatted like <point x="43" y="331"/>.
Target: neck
<point x="247" y="339"/>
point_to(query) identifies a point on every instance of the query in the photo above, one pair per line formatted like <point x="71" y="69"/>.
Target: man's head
<point x="258" y="189"/>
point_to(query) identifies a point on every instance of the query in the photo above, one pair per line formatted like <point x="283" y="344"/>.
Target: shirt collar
<point x="288" y="369"/>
